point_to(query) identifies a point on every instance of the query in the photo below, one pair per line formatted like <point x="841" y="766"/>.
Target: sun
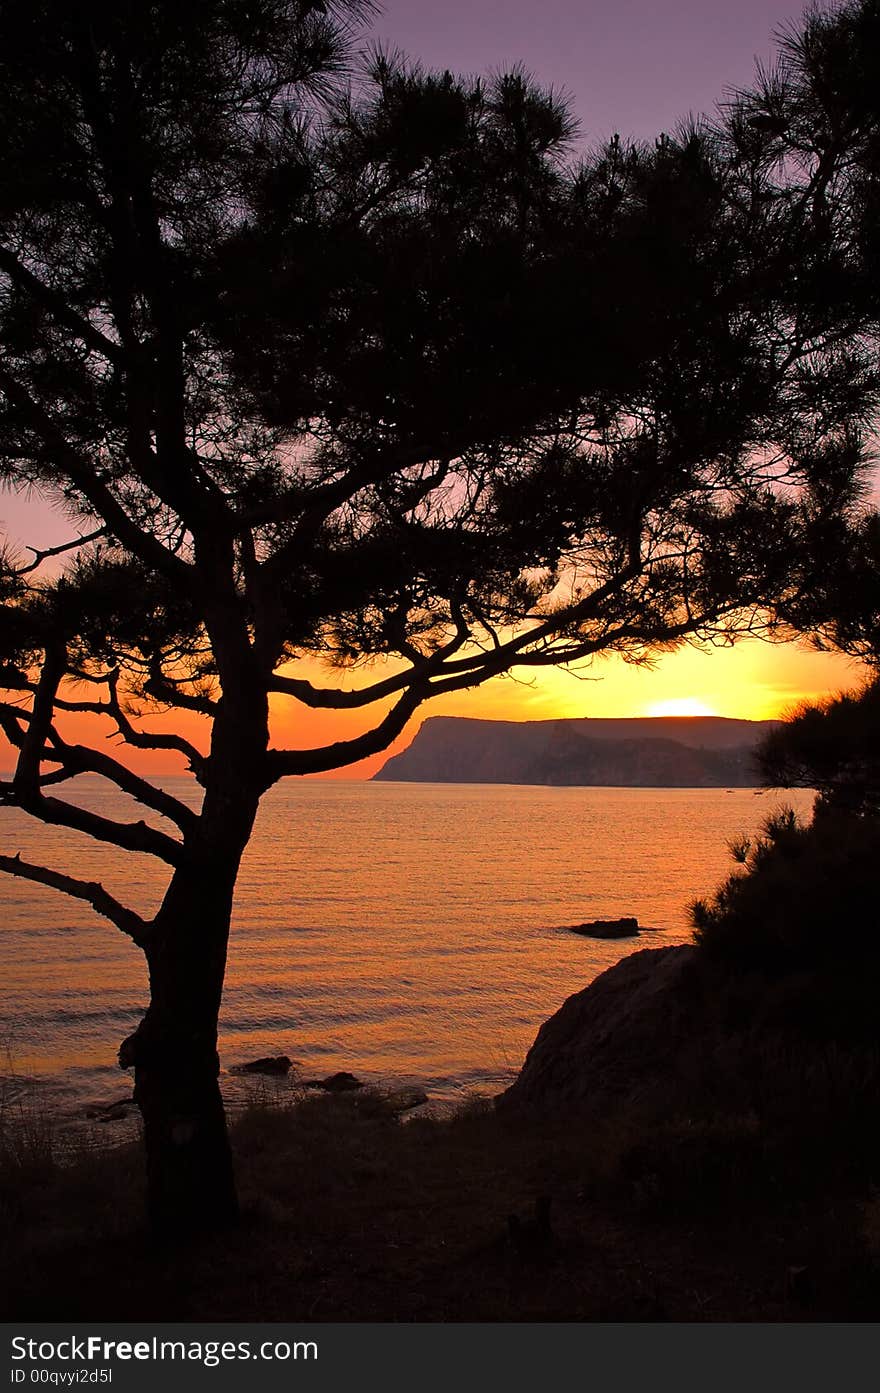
<point x="680" y="706"/>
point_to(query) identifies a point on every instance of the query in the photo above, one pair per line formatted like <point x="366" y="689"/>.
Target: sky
<point x="632" y="66"/>
<point x="635" y="67"/>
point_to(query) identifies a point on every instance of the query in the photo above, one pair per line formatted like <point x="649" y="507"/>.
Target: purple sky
<point x="631" y="66"/>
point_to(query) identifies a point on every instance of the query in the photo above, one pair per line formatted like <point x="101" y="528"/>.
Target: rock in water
<point x="271" y="1064"/>
<point x="336" y="1083"/>
<point x="403" y="1099"/>
<point x="607" y="928"/>
<point x="117" y="1111"/>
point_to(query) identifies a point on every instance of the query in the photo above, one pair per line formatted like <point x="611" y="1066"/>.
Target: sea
<point x="406" y="933"/>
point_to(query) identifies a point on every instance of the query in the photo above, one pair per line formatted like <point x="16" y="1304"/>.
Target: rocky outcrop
<point x="641" y="752"/>
<point x="673" y="1033"/>
<point x="620" y="1040"/>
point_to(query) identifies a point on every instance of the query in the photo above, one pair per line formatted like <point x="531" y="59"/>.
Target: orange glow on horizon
<point x="680" y="706"/>
<point x="754" y="680"/>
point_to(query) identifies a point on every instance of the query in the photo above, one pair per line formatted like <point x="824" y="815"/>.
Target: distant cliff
<point x="642" y="752"/>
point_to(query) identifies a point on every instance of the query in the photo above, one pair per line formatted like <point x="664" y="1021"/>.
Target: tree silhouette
<point x="809" y="131"/>
<point x="364" y="372"/>
<point x="799" y="881"/>
<point x="833" y="747"/>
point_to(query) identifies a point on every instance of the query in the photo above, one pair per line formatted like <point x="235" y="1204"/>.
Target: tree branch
<point x="163" y="689"/>
<point x="58" y="776"/>
<point x="140" y="739"/>
<point x="91" y="891"/>
<point x="472" y="672"/>
<point x="132" y="836"/>
<point x="151" y="740"/>
<point x="336" y="698"/>
<point x="42" y="555"/>
<point x="58" y="307"/>
<point x="343" y="752"/>
<point x="31" y="741"/>
<point x="80" y="759"/>
<point x="142" y="261"/>
<point x="83" y="476"/>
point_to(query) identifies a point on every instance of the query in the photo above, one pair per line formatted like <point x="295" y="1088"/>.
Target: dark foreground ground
<point x="350" y="1214"/>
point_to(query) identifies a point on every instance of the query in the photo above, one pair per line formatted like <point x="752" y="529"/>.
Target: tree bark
<point x="190" y="1182"/>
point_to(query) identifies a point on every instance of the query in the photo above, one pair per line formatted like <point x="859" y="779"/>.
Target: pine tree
<point x="358" y="365"/>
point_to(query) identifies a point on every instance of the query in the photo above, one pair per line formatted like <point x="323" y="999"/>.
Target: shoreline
<point x="692" y="1205"/>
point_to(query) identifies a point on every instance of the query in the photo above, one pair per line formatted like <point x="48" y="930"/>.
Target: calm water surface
<point x="403" y="931"/>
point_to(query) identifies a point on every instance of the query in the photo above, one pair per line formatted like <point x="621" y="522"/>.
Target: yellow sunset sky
<point x="754" y="679"/>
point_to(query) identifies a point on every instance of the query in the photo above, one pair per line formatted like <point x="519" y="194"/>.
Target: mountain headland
<point x="629" y="752"/>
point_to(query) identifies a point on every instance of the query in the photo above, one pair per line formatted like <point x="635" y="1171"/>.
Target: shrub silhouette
<point x="833" y="747"/>
<point x="802" y="898"/>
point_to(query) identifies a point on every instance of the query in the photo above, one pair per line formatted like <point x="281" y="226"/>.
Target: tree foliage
<point x="811" y="126"/>
<point x="358" y="364"/>
<point x="833" y="747"/>
<point x="801" y="900"/>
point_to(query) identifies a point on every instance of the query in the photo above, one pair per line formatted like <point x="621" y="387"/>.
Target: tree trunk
<point x="190" y="1182"/>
